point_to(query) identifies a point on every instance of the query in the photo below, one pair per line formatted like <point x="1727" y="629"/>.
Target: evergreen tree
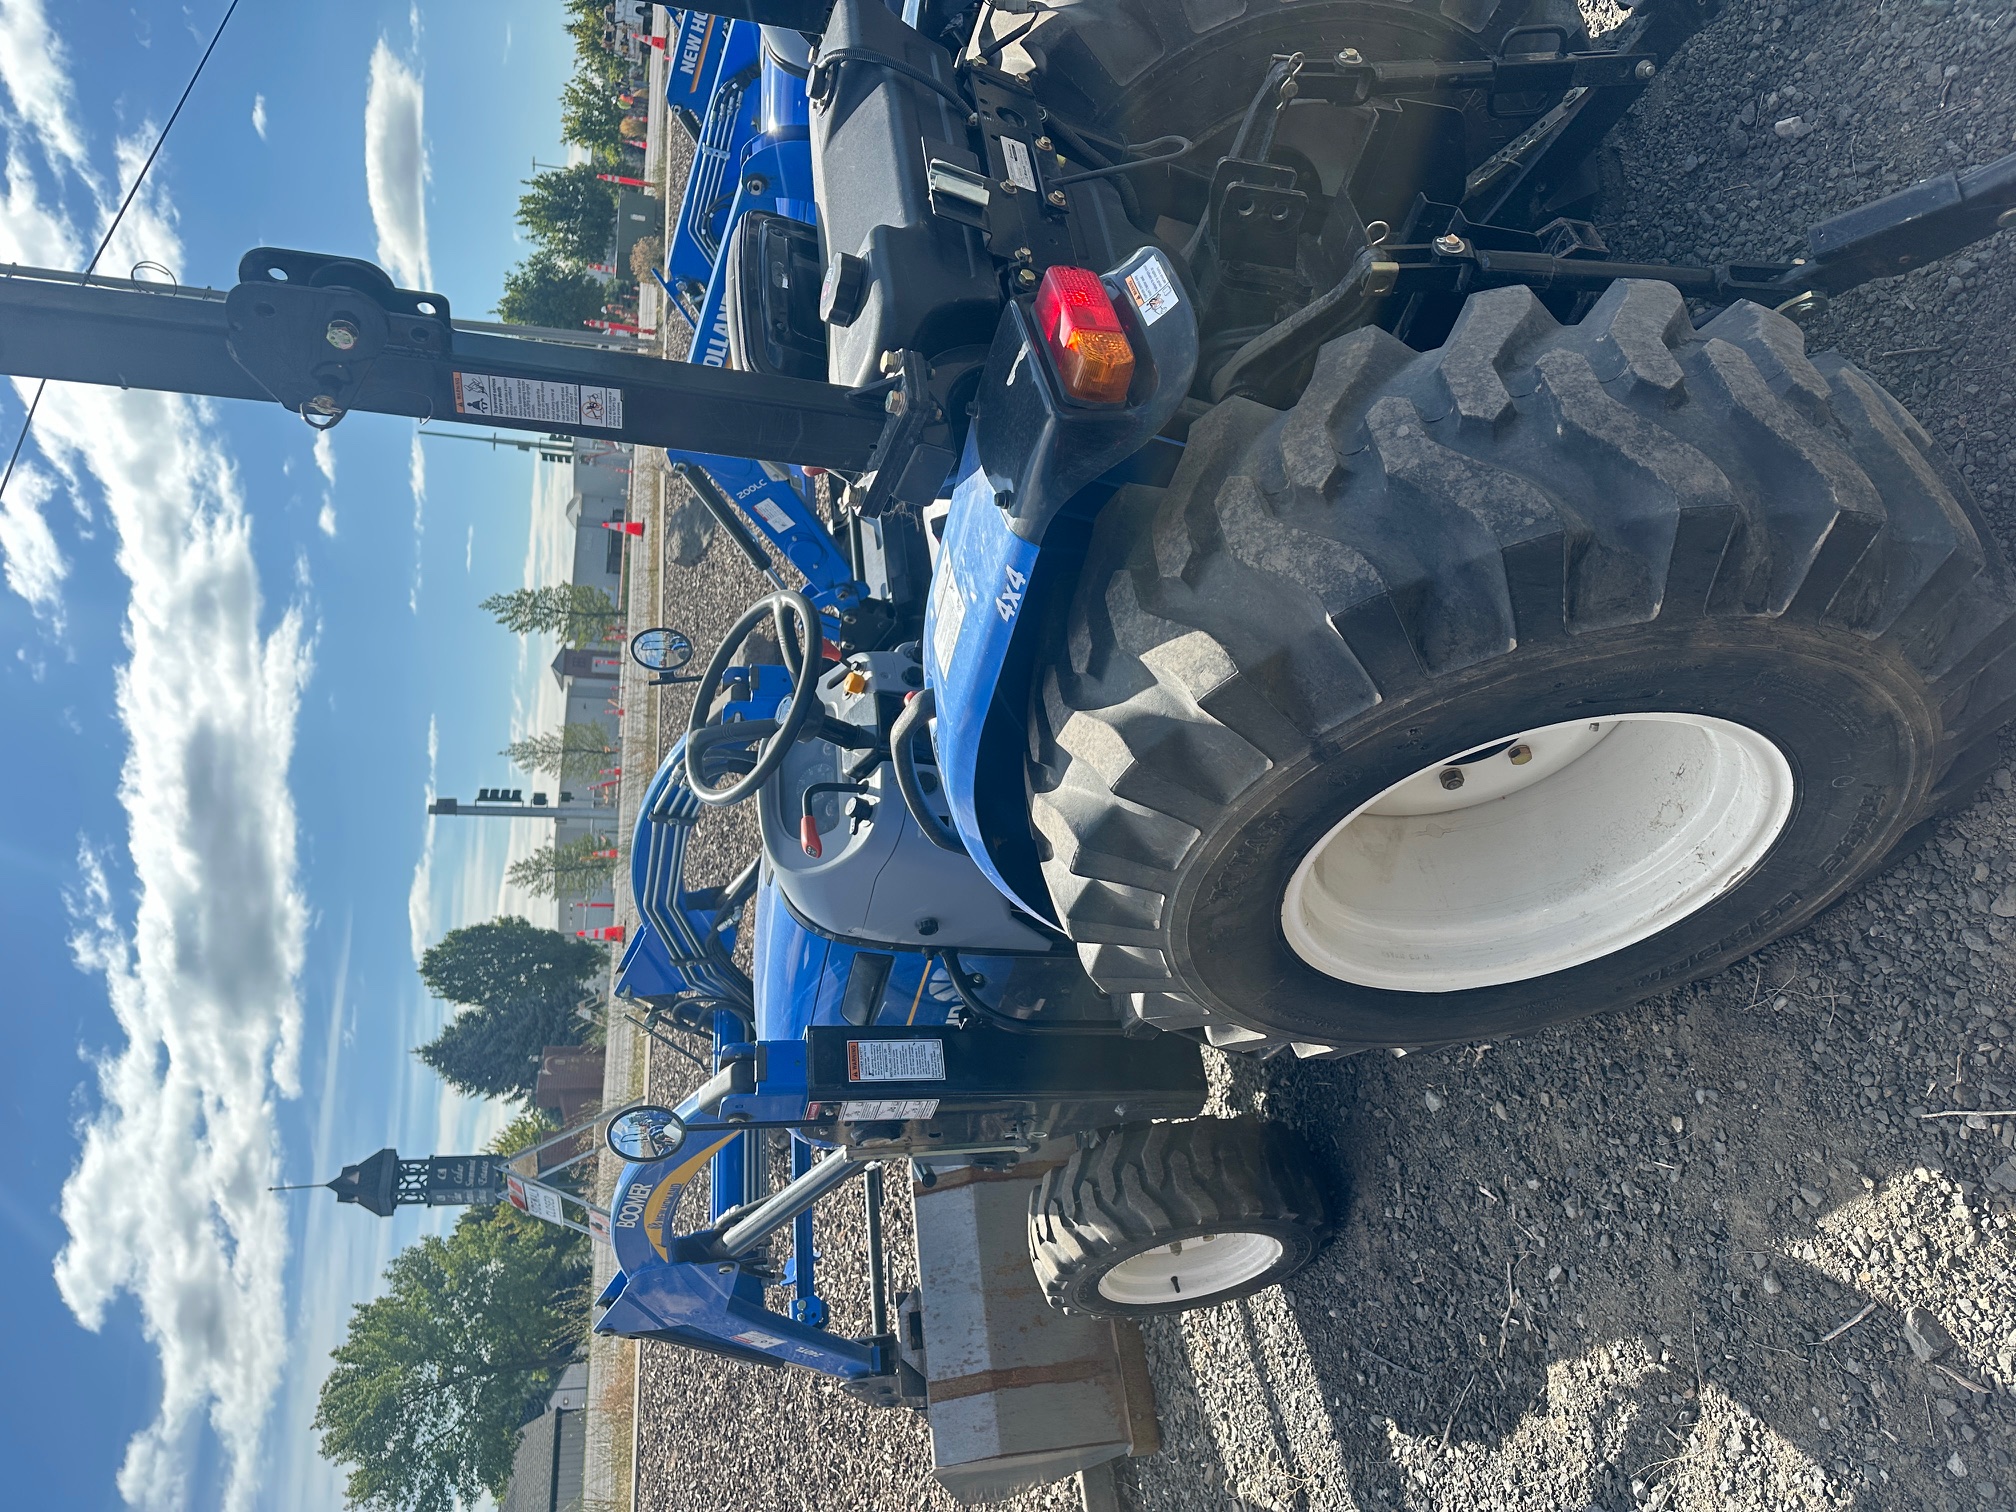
<point x="493" y="1050"/>
<point x="544" y="291"/>
<point x="521" y="985"/>
<point x="570" y="212"/>
<point x="509" y="960"/>
<point x="575" y="869"/>
<point x="579" y="613"/>
<point x="572" y="753"/>
<point x="435" y="1376"/>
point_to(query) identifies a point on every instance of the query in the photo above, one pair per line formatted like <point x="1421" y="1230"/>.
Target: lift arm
<point x="325" y="336"/>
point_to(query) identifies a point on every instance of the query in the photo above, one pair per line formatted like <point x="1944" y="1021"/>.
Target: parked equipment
<point x="1293" y="591"/>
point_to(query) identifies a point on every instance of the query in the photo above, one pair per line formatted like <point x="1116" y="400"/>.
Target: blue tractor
<point x="1326" y="603"/>
<point x="1292" y="589"/>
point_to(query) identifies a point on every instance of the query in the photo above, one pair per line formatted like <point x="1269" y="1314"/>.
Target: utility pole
<point x="546" y="448"/>
<point x="509" y="803"/>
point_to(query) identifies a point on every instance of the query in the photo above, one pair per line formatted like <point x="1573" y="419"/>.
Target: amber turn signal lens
<point x="1087" y="343"/>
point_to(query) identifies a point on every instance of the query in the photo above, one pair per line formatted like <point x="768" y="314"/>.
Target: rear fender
<point x="1036" y="469"/>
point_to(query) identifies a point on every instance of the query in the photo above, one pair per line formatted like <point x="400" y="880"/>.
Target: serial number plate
<point x="896" y="1060"/>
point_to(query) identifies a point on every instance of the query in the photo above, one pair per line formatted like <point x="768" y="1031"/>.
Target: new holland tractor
<point x="1291" y="589"/>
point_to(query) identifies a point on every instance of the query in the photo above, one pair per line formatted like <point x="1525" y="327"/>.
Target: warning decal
<point x="891" y="1107"/>
<point x="1152" y="290"/>
<point x="896" y="1060"/>
<point x="499" y="398"/>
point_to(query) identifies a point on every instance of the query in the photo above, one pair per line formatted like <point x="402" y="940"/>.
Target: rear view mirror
<point x="661" y="650"/>
<point x="646" y="1134"/>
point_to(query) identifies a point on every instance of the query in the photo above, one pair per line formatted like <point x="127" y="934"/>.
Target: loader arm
<point x="329" y="336"/>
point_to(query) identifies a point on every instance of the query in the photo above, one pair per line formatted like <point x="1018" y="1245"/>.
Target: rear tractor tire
<point x="1493" y="686"/>
<point x="1162" y="1218"/>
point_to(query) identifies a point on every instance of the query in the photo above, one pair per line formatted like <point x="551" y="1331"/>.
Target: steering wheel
<point x="773" y="740"/>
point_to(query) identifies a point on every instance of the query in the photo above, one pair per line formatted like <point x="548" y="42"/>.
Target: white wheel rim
<point x="1186" y="1269"/>
<point x="1561" y="845"/>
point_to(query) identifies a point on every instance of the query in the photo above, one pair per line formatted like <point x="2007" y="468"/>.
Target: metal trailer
<point x="1296" y="592"/>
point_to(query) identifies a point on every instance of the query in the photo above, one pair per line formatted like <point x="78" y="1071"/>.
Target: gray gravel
<point x="1590" y="1269"/>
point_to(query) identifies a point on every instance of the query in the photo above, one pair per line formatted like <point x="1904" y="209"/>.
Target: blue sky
<point x="232" y="665"/>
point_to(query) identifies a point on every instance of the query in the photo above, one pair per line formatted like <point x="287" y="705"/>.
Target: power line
<point x="106" y="240"/>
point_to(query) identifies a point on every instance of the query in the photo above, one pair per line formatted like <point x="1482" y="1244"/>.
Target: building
<point x="547" y="1472"/>
<point x="569" y="1081"/>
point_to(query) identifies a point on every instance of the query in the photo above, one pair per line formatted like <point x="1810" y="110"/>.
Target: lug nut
<point x="1519" y="755"/>
<point x="1452" y="778"/>
<point x="341" y="334"/>
<point x="1645" y="69"/>
<point x="1026" y="276"/>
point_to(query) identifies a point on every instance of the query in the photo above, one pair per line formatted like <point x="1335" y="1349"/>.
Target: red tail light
<point x="1083" y="331"/>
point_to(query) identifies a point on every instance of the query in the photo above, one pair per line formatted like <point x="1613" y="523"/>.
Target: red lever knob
<point x="808" y="837"/>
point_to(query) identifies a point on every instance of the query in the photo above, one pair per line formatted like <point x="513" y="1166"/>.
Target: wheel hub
<point x="1195" y="1267"/>
<point x="1537" y="852"/>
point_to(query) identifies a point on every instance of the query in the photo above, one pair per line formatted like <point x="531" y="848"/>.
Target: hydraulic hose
<point x="903" y="762"/>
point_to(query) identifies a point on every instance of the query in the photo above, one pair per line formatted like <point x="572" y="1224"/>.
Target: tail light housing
<point x="1088" y="345"/>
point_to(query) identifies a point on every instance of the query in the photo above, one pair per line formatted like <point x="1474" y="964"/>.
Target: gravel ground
<point x="1591" y="1269"/>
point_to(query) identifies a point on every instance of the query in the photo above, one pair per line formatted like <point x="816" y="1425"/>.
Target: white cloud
<point x="325" y="519"/>
<point x="395" y="167"/>
<point x="34" y="564"/>
<point x="200" y="968"/>
<point x="33" y="72"/>
<point x="259" y="115"/>
<point x="325" y="457"/>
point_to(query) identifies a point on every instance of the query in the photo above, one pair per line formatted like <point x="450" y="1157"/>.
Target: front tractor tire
<point x="1162" y="1218"/>
<point x="1493" y="686"/>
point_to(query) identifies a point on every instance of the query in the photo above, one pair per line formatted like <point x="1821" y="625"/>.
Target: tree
<point x="509" y="960"/>
<point x="493" y="1050"/>
<point x="524" y="1131"/>
<point x="591" y="56"/>
<point x="434" y="1377"/>
<point x="577" y="612"/>
<point x="562" y="871"/>
<point x="544" y="291"/>
<point x="570" y="212"/>
<point x="646" y="253"/>
<point x="570" y="753"/>
<point x="521" y="985"/>
<point x="591" y="117"/>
